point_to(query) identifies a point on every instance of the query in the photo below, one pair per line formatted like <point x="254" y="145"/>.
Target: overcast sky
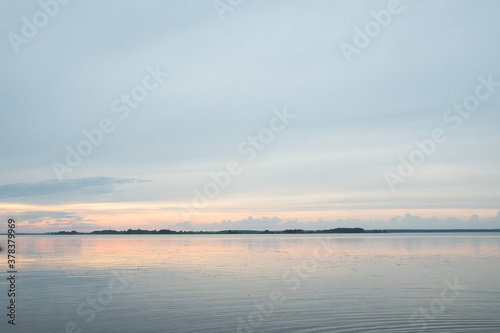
<point x="120" y="114"/>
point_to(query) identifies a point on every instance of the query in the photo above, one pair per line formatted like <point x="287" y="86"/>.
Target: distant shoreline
<point x="264" y="232"/>
<point x="221" y="232"/>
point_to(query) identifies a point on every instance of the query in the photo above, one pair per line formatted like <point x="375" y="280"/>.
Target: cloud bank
<point x="407" y="221"/>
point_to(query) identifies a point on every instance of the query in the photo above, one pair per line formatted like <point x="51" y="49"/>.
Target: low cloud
<point x="43" y="221"/>
<point x="407" y="221"/>
<point x="249" y="223"/>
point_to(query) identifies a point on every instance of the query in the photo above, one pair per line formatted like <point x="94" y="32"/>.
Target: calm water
<point x="256" y="283"/>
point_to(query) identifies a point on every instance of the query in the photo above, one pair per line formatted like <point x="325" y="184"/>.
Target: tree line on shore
<point x="168" y="231"/>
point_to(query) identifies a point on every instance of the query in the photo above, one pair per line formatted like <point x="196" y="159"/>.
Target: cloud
<point x="407" y="221"/>
<point x="249" y="223"/>
<point x="91" y="186"/>
<point x="44" y="221"/>
<point x="35" y="217"/>
<point x="41" y="221"/>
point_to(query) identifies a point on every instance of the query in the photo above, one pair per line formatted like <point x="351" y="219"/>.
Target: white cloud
<point x="407" y="221"/>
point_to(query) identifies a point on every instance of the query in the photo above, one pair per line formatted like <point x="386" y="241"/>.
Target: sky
<point x="249" y="114"/>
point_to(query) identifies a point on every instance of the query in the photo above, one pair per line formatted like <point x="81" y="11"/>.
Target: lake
<point x="425" y="282"/>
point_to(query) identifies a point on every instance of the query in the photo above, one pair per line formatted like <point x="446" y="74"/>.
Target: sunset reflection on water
<point x="207" y="283"/>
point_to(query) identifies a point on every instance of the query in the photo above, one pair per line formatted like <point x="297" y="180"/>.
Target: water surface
<point x="433" y="282"/>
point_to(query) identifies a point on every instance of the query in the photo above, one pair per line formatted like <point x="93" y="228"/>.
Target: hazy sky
<point x="249" y="114"/>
